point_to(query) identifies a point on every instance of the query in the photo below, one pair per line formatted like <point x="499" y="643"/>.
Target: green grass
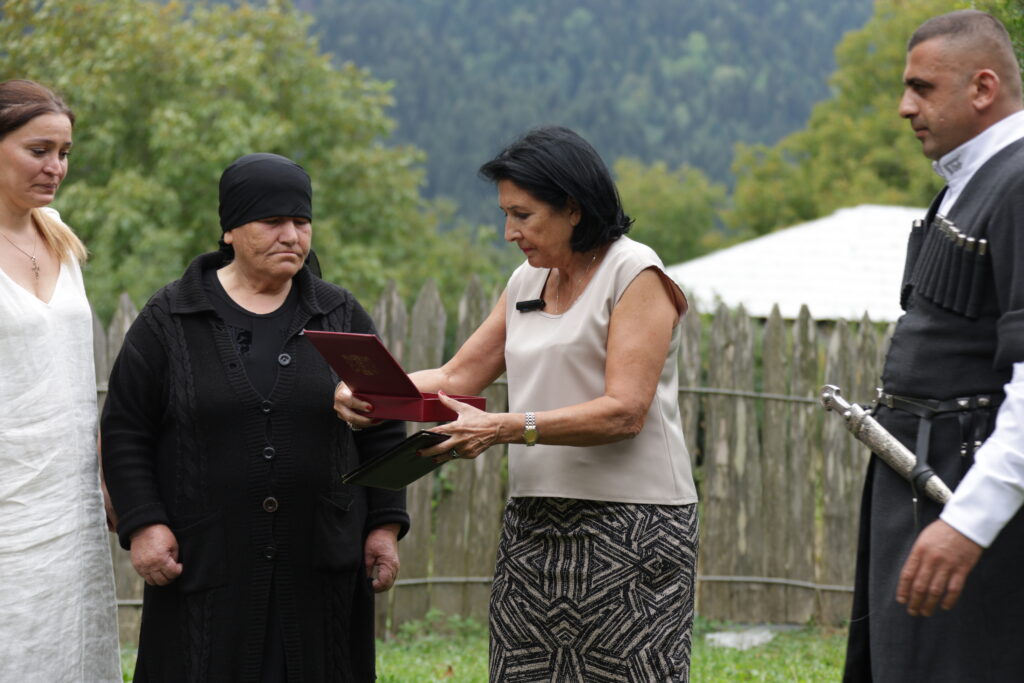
<point x="454" y="650"/>
<point x="128" y="653"/>
<point x="805" y="655"/>
<point x="439" y="648"/>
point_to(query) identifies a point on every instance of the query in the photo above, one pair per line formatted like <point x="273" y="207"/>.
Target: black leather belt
<point x="975" y="415"/>
<point x="927" y="407"/>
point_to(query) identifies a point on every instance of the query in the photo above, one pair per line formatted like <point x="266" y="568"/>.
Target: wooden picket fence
<point x="779" y="479"/>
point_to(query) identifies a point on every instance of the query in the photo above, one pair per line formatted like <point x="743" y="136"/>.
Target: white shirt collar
<point x="959" y="166"/>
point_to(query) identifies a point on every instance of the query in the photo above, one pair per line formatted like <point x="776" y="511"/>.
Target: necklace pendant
<point x="32" y="256"/>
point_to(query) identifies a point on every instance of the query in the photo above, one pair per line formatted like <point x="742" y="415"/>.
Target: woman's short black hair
<point x="556" y="165"/>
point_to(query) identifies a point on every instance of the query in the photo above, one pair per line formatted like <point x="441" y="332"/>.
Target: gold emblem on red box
<point x="361" y="364"/>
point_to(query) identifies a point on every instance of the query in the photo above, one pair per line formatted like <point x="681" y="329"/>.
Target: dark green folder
<point x="398" y="467"/>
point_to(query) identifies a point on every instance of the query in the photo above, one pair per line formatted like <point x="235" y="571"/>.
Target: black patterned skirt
<point x="593" y="591"/>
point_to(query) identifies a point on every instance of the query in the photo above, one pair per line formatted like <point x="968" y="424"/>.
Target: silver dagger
<point x="883" y="444"/>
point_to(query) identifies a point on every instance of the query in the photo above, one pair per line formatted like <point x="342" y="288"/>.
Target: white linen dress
<point x="58" y="619"/>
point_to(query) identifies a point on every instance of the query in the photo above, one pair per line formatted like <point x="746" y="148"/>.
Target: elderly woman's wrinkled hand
<point x="351" y="409"/>
<point x="472" y="433"/>
<point x="154" y="552"/>
<point x="380" y="554"/>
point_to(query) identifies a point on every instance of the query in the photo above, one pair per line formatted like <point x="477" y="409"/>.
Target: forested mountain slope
<point x="673" y="80"/>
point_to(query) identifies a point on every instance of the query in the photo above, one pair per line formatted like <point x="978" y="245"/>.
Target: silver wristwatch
<point x="530" y="433"/>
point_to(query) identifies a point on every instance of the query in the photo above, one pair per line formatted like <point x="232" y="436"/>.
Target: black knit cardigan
<point x="251" y="487"/>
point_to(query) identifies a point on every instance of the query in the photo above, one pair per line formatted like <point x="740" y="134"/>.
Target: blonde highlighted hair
<point x="61" y="240"/>
<point x="21" y="101"/>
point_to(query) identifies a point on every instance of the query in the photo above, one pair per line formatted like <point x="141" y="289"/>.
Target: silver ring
<point x="454" y="453"/>
<point x="352" y="427"/>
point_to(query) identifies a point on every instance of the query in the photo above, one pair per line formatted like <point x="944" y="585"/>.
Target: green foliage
<point x="855" y="149"/>
<point x="167" y="96"/>
<point x="654" y="80"/>
<point x="676" y="212"/>
<point x="1011" y="13"/>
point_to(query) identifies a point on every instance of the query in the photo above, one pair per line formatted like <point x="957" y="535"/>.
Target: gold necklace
<point x="32" y="256"/>
<point x="572" y="295"/>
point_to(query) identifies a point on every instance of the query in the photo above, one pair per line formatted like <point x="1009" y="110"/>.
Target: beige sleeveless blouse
<point x="553" y="361"/>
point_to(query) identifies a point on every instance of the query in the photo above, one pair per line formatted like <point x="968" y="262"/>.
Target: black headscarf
<point x="257" y="186"/>
<point x="262" y="185"/>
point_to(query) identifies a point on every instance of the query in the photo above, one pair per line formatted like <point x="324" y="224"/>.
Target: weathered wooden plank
<point x="101" y="362"/>
<point x="392" y="320"/>
<point x="392" y="323"/>
<point x="867" y="378"/>
<point x="865" y="362"/>
<point x="474" y="307"/>
<point x="774" y="433"/>
<point x="128" y="584"/>
<point x="803" y="465"/>
<point x="840" y="510"/>
<point x="747" y="598"/>
<point x="487" y="502"/>
<point x="427" y="327"/>
<point x="457" y="481"/>
<point x="124" y="316"/>
<point x="690" y="376"/>
<point x="718" y="528"/>
<point x="690" y="403"/>
<point x="450" y="515"/>
<point x="845" y="486"/>
<point x="425" y="350"/>
<point x="487" y="492"/>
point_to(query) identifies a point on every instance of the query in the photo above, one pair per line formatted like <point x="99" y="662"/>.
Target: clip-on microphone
<point x="529" y="305"/>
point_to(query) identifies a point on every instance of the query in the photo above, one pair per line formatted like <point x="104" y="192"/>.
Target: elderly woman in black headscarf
<point x="224" y="459"/>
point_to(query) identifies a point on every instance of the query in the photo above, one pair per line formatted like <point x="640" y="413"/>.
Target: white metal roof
<point x="841" y="266"/>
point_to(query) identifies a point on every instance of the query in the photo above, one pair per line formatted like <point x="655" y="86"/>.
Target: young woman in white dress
<point x="57" y="597"/>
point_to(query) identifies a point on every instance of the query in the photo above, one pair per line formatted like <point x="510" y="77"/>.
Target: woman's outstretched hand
<point x="473" y="432"/>
<point x="351" y="409"/>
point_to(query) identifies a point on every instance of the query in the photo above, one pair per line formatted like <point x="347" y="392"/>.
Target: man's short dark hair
<point x="976" y="33"/>
<point x="963" y="24"/>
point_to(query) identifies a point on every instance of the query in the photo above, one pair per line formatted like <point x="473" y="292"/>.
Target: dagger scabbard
<point x="868" y="431"/>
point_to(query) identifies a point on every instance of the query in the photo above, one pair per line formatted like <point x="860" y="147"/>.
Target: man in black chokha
<point x="954" y="349"/>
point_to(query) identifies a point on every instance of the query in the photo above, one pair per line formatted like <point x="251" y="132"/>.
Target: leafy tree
<point x="676" y="212"/>
<point x="855" y="149"/>
<point x="1011" y="12"/>
<point x="167" y="96"/>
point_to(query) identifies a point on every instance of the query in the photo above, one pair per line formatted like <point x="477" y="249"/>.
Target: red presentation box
<point x="362" y="361"/>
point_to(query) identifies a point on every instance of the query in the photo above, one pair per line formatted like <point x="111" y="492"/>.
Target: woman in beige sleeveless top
<point x="595" y="568"/>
